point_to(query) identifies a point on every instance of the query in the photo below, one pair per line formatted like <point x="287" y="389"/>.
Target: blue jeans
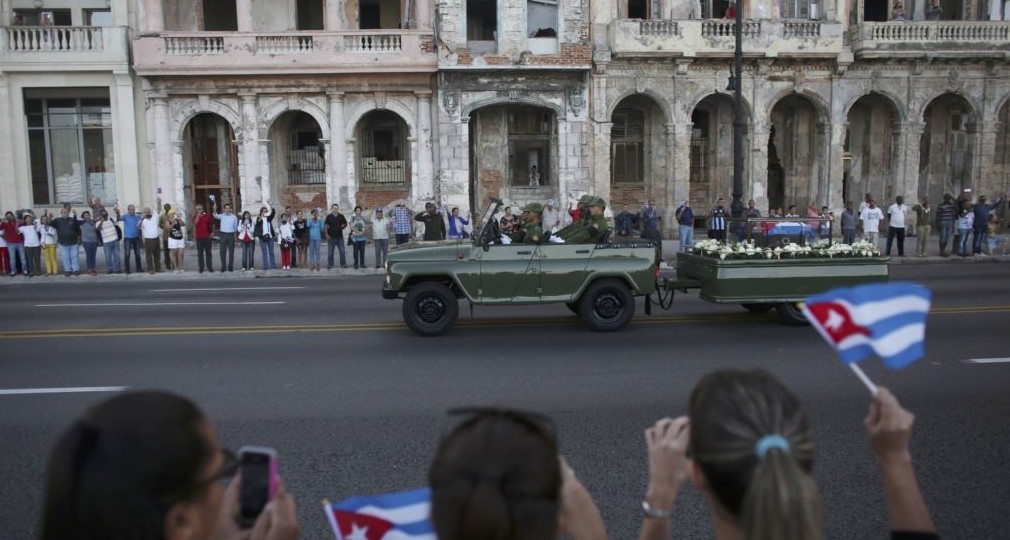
<point x="962" y="247"/>
<point x="686" y="237"/>
<point x="90" y="252"/>
<point x="980" y="235"/>
<point x="132" y="244"/>
<point x="945" y="230"/>
<point x="315" y="256"/>
<point x="248" y="255"/>
<point x="70" y="256"/>
<point x="17" y="253"/>
<point x="111" y="250"/>
<point x="339" y="242"/>
<point x="267" y="251"/>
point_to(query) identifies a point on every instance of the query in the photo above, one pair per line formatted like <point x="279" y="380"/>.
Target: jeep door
<point x="563" y="270"/>
<point x="510" y="274"/>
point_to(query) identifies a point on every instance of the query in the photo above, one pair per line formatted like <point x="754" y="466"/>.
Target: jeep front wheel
<point x="430" y="309"/>
<point x="607" y="305"/>
<point x="791" y="314"/>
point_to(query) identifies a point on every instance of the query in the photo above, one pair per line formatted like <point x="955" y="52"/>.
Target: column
<point x="178" y="176"/>
<point x="11" y="192"/>
<point x="678" y="144"/>
<point x="243" y="9"/>
<point x="336" y="19"/>
<point x="154" y="15"/>
<point x="835" y="198"/>
<point x="759" y="164"/>
<point x="989" y="174"/>
<point x="479" y="195"/>
<point x="162" y="168"/>
<point x="422" y="14"/>
<point x="601" y="164"/>
<point x="907" y="175"/>
<point x="337" y="188"/>
<point x="425" y="187"/>
<point x="125" y="141"/>
<point x="251" y="181"/>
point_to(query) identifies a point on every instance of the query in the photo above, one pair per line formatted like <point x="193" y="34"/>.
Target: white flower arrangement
<point x="820" y="249"/>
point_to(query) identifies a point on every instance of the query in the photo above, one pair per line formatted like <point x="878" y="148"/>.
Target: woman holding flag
<point x="752" y="452"/>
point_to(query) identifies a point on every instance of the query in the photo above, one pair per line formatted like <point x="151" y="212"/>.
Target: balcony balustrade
<point x="932" y="38"/>
<point x="74" y="48"/>
<point x="716" y="38"/>
<point x="301" y="52"/>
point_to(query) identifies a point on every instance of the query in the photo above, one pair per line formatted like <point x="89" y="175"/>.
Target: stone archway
<point x="638" y="152"/>
<point x="712" y="151"/>
<point x="210" y="162"/>
<point x="383" y="158"/>
<point x="796" y="148"/>
<point x="946" y="154"/>
<point x="297" y="161"/>
<point x="871" y="151"/>
<point x="529" y="137"/>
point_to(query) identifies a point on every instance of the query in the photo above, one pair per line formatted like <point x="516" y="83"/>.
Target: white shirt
<point x="3" y="241"/>
<point x="380" y="228"/>
<point x="48" y="233"/>
<point x="32" y="237"/>
<point x="871" y="219"/>
<point x="896" y="215"/>
<point x="149" y="228"/>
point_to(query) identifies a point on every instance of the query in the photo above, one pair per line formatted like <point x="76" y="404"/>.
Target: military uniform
<point x="531" y="232"/>
<point x="593" y="231"/>
<point x="584" y="202"/>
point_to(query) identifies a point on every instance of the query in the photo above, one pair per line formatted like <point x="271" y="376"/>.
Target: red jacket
<point x="203" y="226"/>
<point x="11" y="232"/>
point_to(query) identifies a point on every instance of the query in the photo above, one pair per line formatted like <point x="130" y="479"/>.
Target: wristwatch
<point x="658" y="513"/>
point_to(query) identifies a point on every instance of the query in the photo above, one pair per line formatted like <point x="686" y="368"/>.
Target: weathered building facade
<point x="299" y="103"/>
<point x="838" y="101"/>
<point x="513" y="117"/>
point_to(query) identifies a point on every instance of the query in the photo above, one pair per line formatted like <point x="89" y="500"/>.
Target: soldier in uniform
<point x="595" y="228"/>
<point x="583" y="209"/>
<point x="532" y="230"/>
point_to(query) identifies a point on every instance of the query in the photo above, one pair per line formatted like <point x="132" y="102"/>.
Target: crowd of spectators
<point x="148" y="465"/>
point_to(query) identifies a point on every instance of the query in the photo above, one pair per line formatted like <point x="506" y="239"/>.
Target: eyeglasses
<point x="229" y="466"/>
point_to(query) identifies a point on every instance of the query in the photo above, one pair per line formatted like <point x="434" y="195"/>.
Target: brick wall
<point x="631" y="194"/>
<point x="375" y="198"/>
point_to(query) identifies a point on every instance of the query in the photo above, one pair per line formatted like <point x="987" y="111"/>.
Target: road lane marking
<point x="988" y="361"/>
<point x="71" y="390"/>
<point x="470" y="323"/>
<point x="153" y="304"/>
<point x="227" y="289"/>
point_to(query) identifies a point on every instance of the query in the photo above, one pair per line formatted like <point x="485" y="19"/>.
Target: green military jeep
<point x="599" y="282"/>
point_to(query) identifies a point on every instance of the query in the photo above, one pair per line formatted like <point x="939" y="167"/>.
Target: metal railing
<point x="374" y="171"/>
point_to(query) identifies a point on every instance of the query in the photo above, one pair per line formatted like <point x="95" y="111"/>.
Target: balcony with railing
<point x="234" y="53"/>
<point x="910" y="39"/>
<point x="73" y="48"/>
<point x="716" y="38"/>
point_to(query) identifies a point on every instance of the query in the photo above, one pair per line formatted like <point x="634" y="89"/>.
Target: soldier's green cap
<point x="598" y="201"/>
<point x="586" y="199"/>
<point x="534" y="207"/>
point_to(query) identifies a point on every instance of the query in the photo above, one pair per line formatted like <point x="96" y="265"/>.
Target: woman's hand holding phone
<point x="279" y="519"/>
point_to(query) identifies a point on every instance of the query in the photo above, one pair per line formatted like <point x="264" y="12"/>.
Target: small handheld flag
<point x="395" y="516"/>
<point x="883" y="319"/>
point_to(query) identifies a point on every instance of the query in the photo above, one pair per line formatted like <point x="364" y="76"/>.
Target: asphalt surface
<point x="324" y="371"/>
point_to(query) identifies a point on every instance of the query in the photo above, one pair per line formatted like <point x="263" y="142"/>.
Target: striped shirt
<point x="718" y="219"/>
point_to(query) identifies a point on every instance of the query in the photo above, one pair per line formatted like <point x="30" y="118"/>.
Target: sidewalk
<point x="190" y="264"/>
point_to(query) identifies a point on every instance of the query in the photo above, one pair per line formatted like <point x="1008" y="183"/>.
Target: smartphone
<point x="258" y="473"/>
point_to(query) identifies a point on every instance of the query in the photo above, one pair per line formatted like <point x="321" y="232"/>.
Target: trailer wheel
<point x="791" y="314"/>
<point x="607" y="305"/>
<point x="757" y="308"/>
<point x="430" y="309"/>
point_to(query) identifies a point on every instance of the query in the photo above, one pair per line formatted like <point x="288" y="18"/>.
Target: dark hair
<point x="356" y="208"/>
<point x="122" y="465"/>
<point x="496" y="477"/>
<point x="774" y="496"/>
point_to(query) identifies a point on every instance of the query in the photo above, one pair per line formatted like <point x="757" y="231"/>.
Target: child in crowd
<point x="286" y="241"/>
<point x="315" y="228"/>
<point x="246" y="237"/>
<point x="177" y="240"/>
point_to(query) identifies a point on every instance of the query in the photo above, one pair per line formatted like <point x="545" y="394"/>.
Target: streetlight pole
<point x="736" y="207"/>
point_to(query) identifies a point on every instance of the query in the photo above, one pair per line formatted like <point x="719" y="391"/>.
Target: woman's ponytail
<point x="781" y="502"/>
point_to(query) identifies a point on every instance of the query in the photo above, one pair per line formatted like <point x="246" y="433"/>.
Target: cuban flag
<point x="396" y="516"/>
<point x="886" y="319"/>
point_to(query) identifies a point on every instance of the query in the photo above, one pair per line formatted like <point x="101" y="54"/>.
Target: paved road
<point x="323" y="370"/>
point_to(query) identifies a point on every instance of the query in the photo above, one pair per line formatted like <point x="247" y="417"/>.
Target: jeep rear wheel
<point x="607" y="305"/>
<point x="791" y="314"/>
<point x="430" y="309"/>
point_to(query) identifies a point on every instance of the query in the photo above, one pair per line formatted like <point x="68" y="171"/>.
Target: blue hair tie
<point x="769" y="442"/>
